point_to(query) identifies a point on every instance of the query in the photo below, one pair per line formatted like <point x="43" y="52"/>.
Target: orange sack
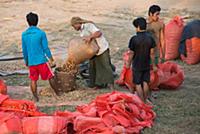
<point x="154" y="80"/>
<point x="44" y="125"/>
<point x="10" y="123"/>
<point x="3" y="87"/>
<point x="171" y="76"/>
<point x="173" y="32"/>
<point x="90" y="125"/>
<point x="126" y="76"/>
<point x="192" y="50"/>
<point x="22" y="108"/>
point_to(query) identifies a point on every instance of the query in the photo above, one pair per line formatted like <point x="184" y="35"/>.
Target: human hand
<point x="87" y="39"/>
<point x="26" y="63"/>
<point x="52" y="63"/>
<point x="127" y="65"/>
<point x="155" y="68"/>
<point x="161" y="60"/>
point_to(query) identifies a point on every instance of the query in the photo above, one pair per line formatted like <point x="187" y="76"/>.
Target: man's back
<point x="35" y="46"/>
<point x="141" y="44"/>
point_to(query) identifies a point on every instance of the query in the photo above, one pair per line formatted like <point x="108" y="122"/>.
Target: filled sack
<point x="80" y="51"/>
<point x="192" y="51"/>
<point x="173" y="32"/>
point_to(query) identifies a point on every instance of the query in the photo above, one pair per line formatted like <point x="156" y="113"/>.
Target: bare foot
<point x="36" y="98"/>
<point x="95" y="88"/>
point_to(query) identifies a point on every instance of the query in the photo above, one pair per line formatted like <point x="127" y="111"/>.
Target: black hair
<point x="140" y="22"/>
<point x="153" y="9"/>
<point x="32" y="19"/>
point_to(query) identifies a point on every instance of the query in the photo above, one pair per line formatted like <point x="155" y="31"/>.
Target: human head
<point x="140" y="24"/>
<point x="76" y="23"/>
<point x="32" y="19"/>
<point x="154" y="12"/>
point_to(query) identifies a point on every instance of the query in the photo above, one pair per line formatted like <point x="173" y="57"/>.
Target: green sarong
<point x="100" y="70"/>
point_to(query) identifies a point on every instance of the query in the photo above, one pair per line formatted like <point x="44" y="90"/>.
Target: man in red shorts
<point x="36" y="53"/>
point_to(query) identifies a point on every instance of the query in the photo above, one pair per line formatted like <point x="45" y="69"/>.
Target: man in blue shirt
<point x="36" y="53"/>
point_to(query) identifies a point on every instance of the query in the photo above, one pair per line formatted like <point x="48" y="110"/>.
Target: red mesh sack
<point x="9" y="123"/>
<point x="173" y="32"/>
<point x="172" y="75"/>
<point x="44" y="125"/>
<point x="3" y="87"/>
<point x="22" y="108"/>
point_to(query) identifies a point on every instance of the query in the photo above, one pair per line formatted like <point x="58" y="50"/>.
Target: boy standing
<point x="141" y="49"/>
<point x="35" y="52"/>
<point x="156" y="27"/>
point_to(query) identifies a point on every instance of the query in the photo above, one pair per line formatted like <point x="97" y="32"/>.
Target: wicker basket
<point x="64" y="81"/>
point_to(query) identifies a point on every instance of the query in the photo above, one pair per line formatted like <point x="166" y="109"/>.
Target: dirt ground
<point x="178" y="112"/>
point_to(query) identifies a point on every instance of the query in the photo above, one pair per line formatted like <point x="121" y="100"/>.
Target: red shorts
<point x="43" y="70"/>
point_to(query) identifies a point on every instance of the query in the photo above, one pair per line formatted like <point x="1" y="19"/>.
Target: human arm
<point x="47" y="50"/>
<point x="152" y="54"/>
<point x="95" y="35"/>
<point x="95" y="32"/>
<point x="130" y="52"/>
<point x="162" y="42"/>
<point x="153" y="58"/>
<point x="130" y="58"/>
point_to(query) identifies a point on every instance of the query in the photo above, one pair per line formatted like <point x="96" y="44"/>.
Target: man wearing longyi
<point x="100" y="71"/>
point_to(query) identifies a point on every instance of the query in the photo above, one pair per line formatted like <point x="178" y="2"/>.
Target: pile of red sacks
<point x="169" y="75"/>
<point x="13" y="112"/>
<point x="109" y="113"/>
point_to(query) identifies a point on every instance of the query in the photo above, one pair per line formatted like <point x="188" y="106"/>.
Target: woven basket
<point x="64" y="81"/>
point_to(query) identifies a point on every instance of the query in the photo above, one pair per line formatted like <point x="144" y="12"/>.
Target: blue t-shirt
<point x="35" y="46"/>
